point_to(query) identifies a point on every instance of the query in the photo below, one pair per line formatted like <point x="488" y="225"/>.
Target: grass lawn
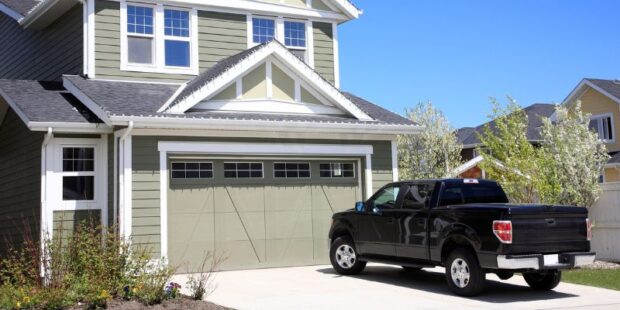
<point x="605" y="278"/>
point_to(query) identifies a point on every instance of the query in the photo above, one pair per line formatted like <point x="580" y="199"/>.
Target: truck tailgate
<point x="548" y="229"/>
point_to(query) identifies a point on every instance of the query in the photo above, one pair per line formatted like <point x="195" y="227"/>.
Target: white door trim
<point x="230" y="148"/>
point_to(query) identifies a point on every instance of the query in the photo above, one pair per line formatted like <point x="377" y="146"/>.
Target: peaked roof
<point x="612" y="87"/>
<point x="45" y="102"/>
<point x="609" y="88"/>
<point x="228" y="70"/>
<point x="468" y="136"/>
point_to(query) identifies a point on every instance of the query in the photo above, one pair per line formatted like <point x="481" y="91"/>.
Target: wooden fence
<point x="605" y="215"/>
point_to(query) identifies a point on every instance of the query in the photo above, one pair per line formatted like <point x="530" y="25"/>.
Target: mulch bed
<point x="182" y="303"/>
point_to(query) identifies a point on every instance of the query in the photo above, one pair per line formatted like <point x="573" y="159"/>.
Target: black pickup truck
<point x="465" y="225"/>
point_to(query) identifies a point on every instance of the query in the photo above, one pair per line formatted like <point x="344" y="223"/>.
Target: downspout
<point x="120" y="157"/>
<point x="44" y="230"/>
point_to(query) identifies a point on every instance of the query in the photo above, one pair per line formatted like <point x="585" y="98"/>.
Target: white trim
<point x="310" y="42"/>
<point x="89" y="103"/>
<point x="45" y="229"/>
<point x="290" y="60"/>
<point x="269" y="79"/>
<point x="125" y="182"/>
<point x="280" y="29"/>
<point x="10" y="12"/>
<point x="91" y="39"/>
<point x="171" y="99"/>
<point x="268" y="106"/>
<point x="239" y="88"/>
<point x="250" y="30"/>
<point x="159" y="37"/>
<point x="298" y="91"/>
<point x="599" y="126"/>
<point x="579" y="90"/>
<point x="257" y="134"/>
<point x="226" y="148"/>
<point x="62" y="127"/>
<point x="336" y="55"/>
<point x="466" y="166"/>
<point x="300" y="82"/>
<point x="85" y="36"/>
<point x="394" y="150"/>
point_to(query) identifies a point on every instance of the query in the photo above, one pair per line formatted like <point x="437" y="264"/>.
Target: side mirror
<point x="359" y="206"/>
<point x="376" y="211"/>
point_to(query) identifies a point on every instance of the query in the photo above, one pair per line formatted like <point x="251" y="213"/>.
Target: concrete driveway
<point x="389" y="287"/>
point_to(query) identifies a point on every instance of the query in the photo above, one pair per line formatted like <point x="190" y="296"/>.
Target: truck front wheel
<point x="543" y="281"/>
<point x="344" y="257"/>
<point x="464" y="275"/>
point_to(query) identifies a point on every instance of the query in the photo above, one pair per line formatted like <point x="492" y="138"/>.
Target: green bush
<point x="90" y="266"/>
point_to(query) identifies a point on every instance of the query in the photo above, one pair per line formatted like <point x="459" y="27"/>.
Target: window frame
<point x="279" y="34"/>
<point x="262" y="165"/>
<point x="172" y="170"/>
<point x="286" y="177"/>
<point x="159" y="37"/>
<point x="62" y="174"/>
<point x="251" y="27"/>
<point x="599" y="119"/>
<point x="299" y="48"/>
<point x="332" y="177"/>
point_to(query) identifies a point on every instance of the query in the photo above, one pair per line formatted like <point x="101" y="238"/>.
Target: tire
<point x="344" y="257"/>
<point x="543" y="281"/>
<point x="411" y="269"/>
<point x="464" y="275"/>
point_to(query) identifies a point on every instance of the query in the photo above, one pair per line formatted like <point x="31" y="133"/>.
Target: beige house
<point x="601" y="99"/>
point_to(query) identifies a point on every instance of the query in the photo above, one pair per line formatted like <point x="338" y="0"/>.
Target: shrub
<point x="199" y="284"/>
<point x="90" y="266"/>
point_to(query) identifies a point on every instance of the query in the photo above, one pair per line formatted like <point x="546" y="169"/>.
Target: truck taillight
<point x="503" y="231"/>
<point x="589" y="229"/>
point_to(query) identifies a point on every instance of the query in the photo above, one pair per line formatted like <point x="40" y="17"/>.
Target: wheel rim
<point x="460" y="273"/>
<point x="345" y="256"/>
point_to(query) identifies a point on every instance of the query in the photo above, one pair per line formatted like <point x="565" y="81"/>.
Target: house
<point x="192" y="126"/>
<point x="601" y="99"/>
<point x="468" y="137"/>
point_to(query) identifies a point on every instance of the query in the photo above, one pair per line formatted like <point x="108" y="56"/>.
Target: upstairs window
<point x="604" y="126"/>
<point x="264" y="30"/>
<point x="295" y="34"/>
<point x="140" y="35"/>
<point x="159" y="39"/>
<point x="176" y="34"/>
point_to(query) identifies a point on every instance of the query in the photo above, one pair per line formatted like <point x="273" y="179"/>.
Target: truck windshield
<point x="454" y="194"/>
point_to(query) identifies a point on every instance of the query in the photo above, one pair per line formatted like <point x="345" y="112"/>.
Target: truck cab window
<point x="386" y="199"/>
<point x="418" y="196"/>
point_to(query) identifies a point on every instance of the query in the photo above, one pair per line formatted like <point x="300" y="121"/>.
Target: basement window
<point x="603" y="125"/>
<point x="243" y="170"/>
<point x="192" y="170"/>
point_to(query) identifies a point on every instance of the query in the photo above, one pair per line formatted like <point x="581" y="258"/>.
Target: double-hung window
<point x="263" y="30"/>
<point x="159" y="39"/>
<point x="78" y="174"/>
<point x="604" y="126"/>
<point x="295" y="35"/>
<point x="291" y="33"/>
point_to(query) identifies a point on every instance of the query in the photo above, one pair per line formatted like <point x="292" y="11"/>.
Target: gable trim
<point x="10" y="12"/>
<point x="268" y="106"/>
<point x="579" y="90"/>
<point x="89" y="103"/>
<point x="289" y="60"/>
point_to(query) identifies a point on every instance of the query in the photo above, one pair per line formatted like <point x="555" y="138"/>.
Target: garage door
<point x="257" y="212"/>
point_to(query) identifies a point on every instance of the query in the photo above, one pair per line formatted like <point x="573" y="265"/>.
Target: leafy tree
<point x="508" y="156"/>
<point x="433" y="152"/>
<point x="575" y="156"/>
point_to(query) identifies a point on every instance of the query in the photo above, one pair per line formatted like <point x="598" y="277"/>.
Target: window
<point x="337" y="170"/>
<point x="418" y="196"/>
<point x="472" y="193"/>
<point x="159" y="39"/>
<point x="192" y="170"/>
<point x="177" y="43"/>
<point x="243" y="170"/>
<point x="140" y="36"/>
<point x="78" y="173"/>
<point x="264" y="30"/>
<point x="604" y="126"/>
<point x="291" y="170"/>
<point x="386" y="199"/>
<point x="295" y="34"/>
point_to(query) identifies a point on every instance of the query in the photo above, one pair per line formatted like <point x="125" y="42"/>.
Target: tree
<point x="432" y="153"/>
<point x="576" y="156"/>
<point x="508" y="156"/>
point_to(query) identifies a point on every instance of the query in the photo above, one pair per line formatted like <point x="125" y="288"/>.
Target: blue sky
<point x="457" y="54"/>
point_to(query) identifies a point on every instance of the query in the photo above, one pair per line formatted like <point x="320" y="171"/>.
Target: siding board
<point x="324" y="50"/>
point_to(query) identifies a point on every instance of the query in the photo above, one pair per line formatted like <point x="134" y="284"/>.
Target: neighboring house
<point x="468" y="137"/>
<point x="601" y="99"/>
<point x="194" y="126"/>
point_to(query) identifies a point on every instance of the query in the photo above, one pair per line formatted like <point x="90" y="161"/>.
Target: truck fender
<point x="340" y="228"/>
<point x="458" y="235"/>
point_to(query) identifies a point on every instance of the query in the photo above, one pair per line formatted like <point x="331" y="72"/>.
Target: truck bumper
<point x="545" y="261"/>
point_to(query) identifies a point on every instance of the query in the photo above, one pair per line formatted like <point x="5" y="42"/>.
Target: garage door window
<point x="243" y="170"/>
<point x="291" y="170"/>
<point x="337" y="170"/>
<point x="192" y="170"/>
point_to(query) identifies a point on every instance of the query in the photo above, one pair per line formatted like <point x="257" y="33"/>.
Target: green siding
<point x="42" y="54"/>
<point x="65" y="223"/>
<point x="219" y="35"/>
<point x="145" y="185"/>
<point x="324" y="50"/>
<point x="20" y="181"/>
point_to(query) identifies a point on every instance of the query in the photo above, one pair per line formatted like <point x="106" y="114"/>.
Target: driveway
<point x="389" y="287"/>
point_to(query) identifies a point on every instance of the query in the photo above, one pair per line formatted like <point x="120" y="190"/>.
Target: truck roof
<point x="450" y="181"/>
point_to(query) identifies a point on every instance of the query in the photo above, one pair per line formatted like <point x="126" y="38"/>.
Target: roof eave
<point x="67" y="127"/>
<point x="11" y="13"/>
<point x="150" y="122"/>
<point x="46" y="12"/>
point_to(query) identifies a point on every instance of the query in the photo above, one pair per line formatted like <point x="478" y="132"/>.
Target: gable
<point x="269" y="88"/>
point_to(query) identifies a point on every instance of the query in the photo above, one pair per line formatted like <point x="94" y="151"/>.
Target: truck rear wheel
<point x="464" y="275"/>
<point x="543" y="281"/>
<point x="344" y="257"/>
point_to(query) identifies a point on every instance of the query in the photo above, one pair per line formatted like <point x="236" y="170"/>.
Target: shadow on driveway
<point x="435" y="282"/>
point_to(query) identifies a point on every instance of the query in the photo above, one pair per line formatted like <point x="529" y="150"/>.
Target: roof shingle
<point x="610" y="86"/>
